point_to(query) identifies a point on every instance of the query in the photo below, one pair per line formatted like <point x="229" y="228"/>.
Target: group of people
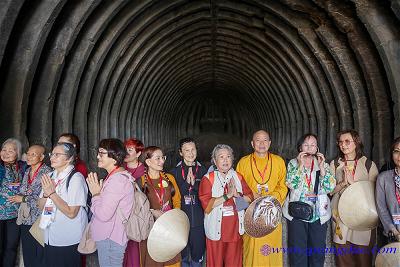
<point x="62" y="197"/>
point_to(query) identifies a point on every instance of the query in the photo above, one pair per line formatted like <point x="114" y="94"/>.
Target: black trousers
<point x="32" y="251"/>
<point x="196" y="244"/>
<point x="10" y="233"/>
<point x="307" y="242"/>
<point x="67" y="256"/>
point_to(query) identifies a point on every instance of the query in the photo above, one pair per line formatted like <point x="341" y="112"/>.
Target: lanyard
<point x="355" y="166"/>
<point x="161" y="195"/>
<point x="265" y="169"/>
<point x="262" y="175"/>
<point x="111" y="173"/>
<point x="32" y="178"/>
<point x="308" y="178"/>
<point x="194" y="174"/>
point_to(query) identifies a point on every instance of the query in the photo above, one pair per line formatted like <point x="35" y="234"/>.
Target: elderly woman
<point x="224" y="221"/>
<point x="71" y="138"/>
<point x="350" y="167"/>
<point x="11" y="173"/>
<point x="163" y="194"/>
<point x="111" y="196"/>
<point x="134" y="148"/>
<point x="28" y="195"/>
<point x="388" y="195"/>
<point x="63" y="199"/>
<point x="309" y="179"/>
<point x="188" y="174"/>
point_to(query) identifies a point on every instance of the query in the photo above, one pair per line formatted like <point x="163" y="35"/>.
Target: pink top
<point x="117" y="192"/>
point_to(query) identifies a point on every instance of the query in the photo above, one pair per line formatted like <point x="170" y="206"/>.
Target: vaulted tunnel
<point x="216" y="70"/>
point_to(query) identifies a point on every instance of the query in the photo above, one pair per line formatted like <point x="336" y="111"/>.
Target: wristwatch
<point x="23" y="199"/>
<point x="225" y="197"/>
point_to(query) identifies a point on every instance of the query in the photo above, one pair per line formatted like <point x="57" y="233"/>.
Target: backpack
<point x="88" y="198"/>
<point x="140" y="220"/>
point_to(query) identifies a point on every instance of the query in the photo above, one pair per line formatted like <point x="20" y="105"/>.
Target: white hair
<point x="218" y="148"/>
<point x="17" y="144"/>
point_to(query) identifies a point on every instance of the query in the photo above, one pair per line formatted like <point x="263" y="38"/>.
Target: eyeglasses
<point x="163" y="158"/>
<point x="102" y="153"/>
<point x="57" y="155"/>
<point x="346" y="142"/>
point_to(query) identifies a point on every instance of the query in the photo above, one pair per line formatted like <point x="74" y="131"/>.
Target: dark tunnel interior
<point x="216" y="70"/>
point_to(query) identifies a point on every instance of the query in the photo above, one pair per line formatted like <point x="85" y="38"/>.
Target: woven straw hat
<point x="168" y="236"/>
<point x="357" y="209"/>
<point x="389" y="255"/>
<point x="262" y="216"/>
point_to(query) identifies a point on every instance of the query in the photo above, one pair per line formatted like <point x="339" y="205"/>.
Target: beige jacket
<point x="361" y="174"/>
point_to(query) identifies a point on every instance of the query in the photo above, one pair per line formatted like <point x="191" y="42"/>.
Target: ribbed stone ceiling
<point x="216" y="70"/>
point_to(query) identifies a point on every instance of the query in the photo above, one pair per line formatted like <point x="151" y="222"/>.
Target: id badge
<point x="14" y="187"/>
<point x="48" y="210"/>
<point x="266" y="188"/>
<point x="396" y="219"/>
<point x="259" y="189"/>
<point x="188" y="199"/>
<point x="227" y="211"/>
<point x="311" y="197"/>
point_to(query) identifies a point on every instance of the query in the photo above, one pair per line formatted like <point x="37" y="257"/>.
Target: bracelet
<point x="51" y="193"/>
<point x="225" y="197"/>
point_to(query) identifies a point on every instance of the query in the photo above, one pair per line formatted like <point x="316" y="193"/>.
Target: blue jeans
<point x="110" y="253"/>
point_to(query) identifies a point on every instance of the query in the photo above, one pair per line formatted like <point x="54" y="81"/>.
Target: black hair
<point x="303" y="138"/>
<point x="116" y="150"/>
<point x="185" y="141"/>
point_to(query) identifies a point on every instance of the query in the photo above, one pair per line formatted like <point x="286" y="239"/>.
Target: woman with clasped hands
<point x="219" y="194"/>
<point x="63" y="199"/>
<point x="112" y="200"/>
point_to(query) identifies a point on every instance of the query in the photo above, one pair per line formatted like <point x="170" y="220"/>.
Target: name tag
<point x="227" y="211"/>
<point x="311" y="197"/>
<point x="48" y="210"/>
<point x="261" y="187"/>
<point x="396" y="219"/>
<point x="14" y="186"/>
<point x="189" y="199"/>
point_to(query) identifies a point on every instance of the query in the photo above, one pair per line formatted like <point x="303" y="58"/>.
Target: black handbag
<point x="301" y="210"/>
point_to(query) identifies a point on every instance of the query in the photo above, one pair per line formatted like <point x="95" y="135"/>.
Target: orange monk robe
<point x="256" y="251"/>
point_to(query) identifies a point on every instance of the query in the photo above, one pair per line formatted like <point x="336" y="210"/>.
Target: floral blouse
<point x="32" y="192"/>
<point x="10" y="179"/>
<point x="296" y="180"/>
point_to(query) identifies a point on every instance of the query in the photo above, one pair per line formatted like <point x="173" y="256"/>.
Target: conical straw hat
<point x="262" y="216"/>
<point x="357" y="208"/>
<point x="388" y="256"/>
<point x="168" y="236"/>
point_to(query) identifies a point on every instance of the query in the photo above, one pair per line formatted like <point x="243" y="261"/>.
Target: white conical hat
<point x="262" y="216"/>
<point x="357" y="208"/>
<point x="168" y="236"/>
<point x="389" y="255"/>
